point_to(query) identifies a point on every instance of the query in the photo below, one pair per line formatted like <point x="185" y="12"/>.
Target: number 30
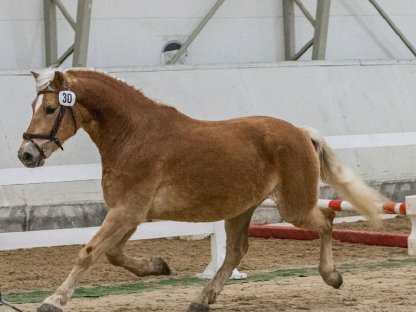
<point x="67" y="98"/>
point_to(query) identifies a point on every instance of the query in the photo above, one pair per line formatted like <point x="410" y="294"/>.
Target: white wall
<point x="132" y="32"/>
<point x="338" y="98"/>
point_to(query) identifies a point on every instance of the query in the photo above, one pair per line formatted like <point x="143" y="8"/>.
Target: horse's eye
<point x="50" y="110"/>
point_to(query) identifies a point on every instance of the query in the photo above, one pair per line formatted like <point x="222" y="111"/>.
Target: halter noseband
<point x="51" y="136"/>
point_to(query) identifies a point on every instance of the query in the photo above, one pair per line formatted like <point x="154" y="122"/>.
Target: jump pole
<point x="408" y="209"/>
<point x="411" y="212"/>
<point x="341" y="205"/>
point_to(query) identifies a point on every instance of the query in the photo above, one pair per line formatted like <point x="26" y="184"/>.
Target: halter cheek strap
<point x="51" y="136"/>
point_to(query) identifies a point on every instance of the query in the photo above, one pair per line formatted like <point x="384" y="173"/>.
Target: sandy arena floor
<point x="371" y="283"/>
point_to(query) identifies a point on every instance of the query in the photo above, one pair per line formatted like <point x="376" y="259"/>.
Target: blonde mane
<point x="104" y="74"/>
<point x="46" y="77"/>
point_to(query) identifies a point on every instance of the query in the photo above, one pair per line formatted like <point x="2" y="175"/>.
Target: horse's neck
<point x="111" y="113"/>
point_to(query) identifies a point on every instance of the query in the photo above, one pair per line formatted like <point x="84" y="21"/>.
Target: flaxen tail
<point x="346" y="183"/>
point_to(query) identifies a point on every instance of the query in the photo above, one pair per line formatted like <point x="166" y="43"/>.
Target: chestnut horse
<point x="161" y="164"/>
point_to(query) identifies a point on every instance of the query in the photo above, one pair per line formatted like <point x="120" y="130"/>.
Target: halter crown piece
<point x="51" y="136"/>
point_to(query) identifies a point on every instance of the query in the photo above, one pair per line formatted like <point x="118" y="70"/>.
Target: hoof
<point x="46" y="307"/>
<point x="161" y="266"/>
<point x="339" y="281"/>
<point x="197" y="307"/>
<point x="334" y="279"/>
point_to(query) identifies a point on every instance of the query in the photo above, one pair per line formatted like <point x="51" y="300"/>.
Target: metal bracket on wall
<point x="393" y="26"/>
<point x="81" y="26"/>
<point x="320" y="24"/>
<point x="196" y="32"/>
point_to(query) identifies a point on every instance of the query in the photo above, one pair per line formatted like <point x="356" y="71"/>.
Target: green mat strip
<point x="119" y="289"/>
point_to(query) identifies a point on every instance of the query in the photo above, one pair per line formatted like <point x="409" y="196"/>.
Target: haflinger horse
<point x="158" y="163"/>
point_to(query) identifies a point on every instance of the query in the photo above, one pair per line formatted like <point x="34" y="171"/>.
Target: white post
<point x="218" y="247"/>
<point x="411" y="213"/>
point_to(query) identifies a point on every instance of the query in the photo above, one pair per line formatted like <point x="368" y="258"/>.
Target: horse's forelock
<point x="45" y="78"/>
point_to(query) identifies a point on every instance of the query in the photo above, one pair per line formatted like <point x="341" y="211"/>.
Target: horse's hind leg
<point x="114" y="228"/>
<point x="140" y="267"/>
<point x="321" y="221"/>
<point x="326" y="264"/>
<point x="297" y="195"/>
<point x="237" y="245"/>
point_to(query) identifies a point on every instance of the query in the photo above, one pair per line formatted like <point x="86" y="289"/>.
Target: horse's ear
<point x="34" y="74"/>
<point x="59" y="80"/>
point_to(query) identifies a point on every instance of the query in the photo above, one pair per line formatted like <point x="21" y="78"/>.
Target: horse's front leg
<point x="118" y="223"/>
<point x="140" y="267"/>
<point x="237" y="245"/>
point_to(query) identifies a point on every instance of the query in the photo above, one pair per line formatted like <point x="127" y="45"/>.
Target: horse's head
<point x="53" y="120"/>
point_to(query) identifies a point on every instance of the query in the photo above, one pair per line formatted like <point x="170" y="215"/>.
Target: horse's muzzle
<point x="30" y="156"/>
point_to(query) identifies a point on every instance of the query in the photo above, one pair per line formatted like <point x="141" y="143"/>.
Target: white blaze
<point x="38" y="102"/>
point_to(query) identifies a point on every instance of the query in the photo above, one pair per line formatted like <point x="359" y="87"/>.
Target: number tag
<point x="67" y="98"/>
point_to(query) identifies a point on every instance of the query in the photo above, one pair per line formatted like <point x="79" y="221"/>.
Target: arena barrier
<point x="387" y="239"/>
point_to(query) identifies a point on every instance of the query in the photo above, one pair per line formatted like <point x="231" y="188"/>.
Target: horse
<point x="158" y="163"/>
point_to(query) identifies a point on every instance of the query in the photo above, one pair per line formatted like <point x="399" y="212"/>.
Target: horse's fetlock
<point x="63" y="294"/>
<point x="212" y="297"/>
<point x="197" y="307"/>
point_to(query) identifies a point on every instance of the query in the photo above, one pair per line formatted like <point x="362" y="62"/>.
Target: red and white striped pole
<point x="341" y="205"/>
<point x="408" y="209"/>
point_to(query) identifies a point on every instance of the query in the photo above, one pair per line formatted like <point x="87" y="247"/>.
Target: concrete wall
<point x="133" y="32"/>
<point x="336" y="98"/>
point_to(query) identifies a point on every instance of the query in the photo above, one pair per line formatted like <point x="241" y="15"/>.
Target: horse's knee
<point x="85" y="257"/>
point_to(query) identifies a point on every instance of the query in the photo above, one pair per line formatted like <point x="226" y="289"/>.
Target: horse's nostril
<point x="27" y="157"/>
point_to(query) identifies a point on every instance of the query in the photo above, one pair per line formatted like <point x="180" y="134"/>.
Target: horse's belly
<point x="166" y="210"/>
<point x="191" y="215"/>
<point x="215" y="186"/>
<point x="203" y="207"/>
<point x="197" y="210"/>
